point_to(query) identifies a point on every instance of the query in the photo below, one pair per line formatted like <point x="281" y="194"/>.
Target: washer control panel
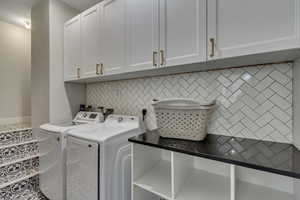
<point x="88" y="117"/>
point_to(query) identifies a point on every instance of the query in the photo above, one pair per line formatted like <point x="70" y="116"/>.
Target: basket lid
<point x="180" y="103"/>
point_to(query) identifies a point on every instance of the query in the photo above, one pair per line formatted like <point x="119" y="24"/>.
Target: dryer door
<point x="82" y="169"/>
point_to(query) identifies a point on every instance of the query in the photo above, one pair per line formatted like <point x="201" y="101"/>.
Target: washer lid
<point x="104" y="131"/>
<point x="59" y="128"/>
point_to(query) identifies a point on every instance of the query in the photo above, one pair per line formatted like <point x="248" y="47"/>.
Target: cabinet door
<point x="182" y="32"/>
<point x="82" y="169"/>
<point x="72" y="49"/>
<point x="90" y="42"/>
<point x="142" y="25"/>
<point x="113" y="38"/>
<point x="249" y="27"/>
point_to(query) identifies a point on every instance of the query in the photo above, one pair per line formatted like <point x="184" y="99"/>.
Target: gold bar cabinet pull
<point x="78" y="72"/>
<point x="162" y="58"/>
<point x="101" y="68"/>
<point x="97" y="69"/>
<point x="154" y="58"/>
<point x="212" y="46"/>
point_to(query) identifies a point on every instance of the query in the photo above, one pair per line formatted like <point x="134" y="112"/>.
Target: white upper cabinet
<point x="72" y="48"/>
<point x="90" y="42"/>
<point x="113" y="37"/>
<point x="118" y="36"/>
<point x="142" y="37"/>
<point x="182" y="32"/>
<point x="242" y="27"/>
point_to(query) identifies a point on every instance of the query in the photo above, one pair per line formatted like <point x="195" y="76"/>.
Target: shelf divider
<point x="182" y="165"/>
<point x="232" y="182"/>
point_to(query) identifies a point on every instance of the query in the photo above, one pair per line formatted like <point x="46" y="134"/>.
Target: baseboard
<point x="15" y="120"/>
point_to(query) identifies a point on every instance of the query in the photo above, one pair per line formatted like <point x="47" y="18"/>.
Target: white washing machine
<point x="52" y="142"/>
<point x="99" y="159"/>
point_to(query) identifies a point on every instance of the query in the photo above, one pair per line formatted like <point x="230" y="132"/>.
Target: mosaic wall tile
<point x="252" y="102"/>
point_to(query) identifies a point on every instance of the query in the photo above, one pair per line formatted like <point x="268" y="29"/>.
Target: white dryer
<point x="99" y="159"/>
<point x="52" y="142"/>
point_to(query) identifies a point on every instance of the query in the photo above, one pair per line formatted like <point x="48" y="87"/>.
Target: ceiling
<point x="17" y="11"/>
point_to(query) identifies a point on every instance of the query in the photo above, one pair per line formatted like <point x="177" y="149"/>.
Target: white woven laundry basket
<point x="183" y="118"/>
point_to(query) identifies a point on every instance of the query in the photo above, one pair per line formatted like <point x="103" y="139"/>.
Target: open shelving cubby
<point x="140" y="193"/>
<point x="197" y="178"/>
<point x="152" y="171"/>
<point x="176" y="176"/>
<point x="253" y="184"/>
<point x="187" y="170"/>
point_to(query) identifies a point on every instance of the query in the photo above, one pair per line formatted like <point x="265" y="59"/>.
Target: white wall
<point x="296" y="104"/>
<point x="15" y="64"/>
<point x="40" y="63"/>
<point x="52" y="100"/>
<point x="296" y="118"/>
<point x="64" y="99"/>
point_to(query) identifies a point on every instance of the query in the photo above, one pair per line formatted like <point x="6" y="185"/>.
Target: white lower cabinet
<point x="161" y="174"/>
<point x="252" y="184"/>
<point x="140" y="193"/>
<point x="196" y="178"/>
<point x="152" y="171"/>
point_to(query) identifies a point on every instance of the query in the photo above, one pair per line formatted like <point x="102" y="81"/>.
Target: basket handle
<point x="180" y="102"/>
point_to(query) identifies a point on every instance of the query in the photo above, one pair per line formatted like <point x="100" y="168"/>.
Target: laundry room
<point x="149" y="100"/>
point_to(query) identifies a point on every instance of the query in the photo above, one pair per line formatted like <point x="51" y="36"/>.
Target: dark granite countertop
<point x="274" y="157"/>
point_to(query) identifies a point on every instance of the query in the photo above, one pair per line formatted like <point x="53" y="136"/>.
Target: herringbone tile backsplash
<point x="252" y="102"/>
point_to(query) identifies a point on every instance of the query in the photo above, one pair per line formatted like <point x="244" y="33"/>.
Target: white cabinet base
<point x="205" y="185"/>
<point x="157" y="180"/>
<point x="248" y="191"/>
<point x="140" y="193"/>
<point x="169" y="175"/>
